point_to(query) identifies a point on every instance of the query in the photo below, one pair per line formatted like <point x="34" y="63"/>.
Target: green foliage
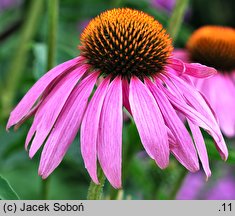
<point x="213" y="153"/>
<point x="40" y="53"/>
<point x="6" y="191"/>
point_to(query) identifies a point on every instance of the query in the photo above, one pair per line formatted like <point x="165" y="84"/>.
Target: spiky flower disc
<point x="213" y="46"/>
<point x="126" y="42"/>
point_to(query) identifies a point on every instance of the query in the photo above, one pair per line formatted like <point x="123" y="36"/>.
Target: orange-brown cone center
<point x="125" y="42"/>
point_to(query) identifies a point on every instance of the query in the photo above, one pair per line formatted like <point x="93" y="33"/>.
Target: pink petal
<point x="201" y="148"/>
<point x="233" y="75"/>
<point x="197" y="110"/>
<point x="171" y="137"/>
<point x="149" y="122"/>
<point x="183" y="149"/>
<point x="89" y="129"/>
<point x="199" y="70"/>
<point x="192" y="69"/>
<point x="110" y="134"/>
<point x="38" y="88"/>
<point x="66" y="127"/>
<point x="125" y="90"/>
<point x="181" y="54"/>
<point x="221" y="93"/>
<point x="52" y="105"/>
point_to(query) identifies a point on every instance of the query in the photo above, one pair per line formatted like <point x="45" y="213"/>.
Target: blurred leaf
<point x="11" y="142"/>
<point x="6" y="191"/>
<point x="40" y="53"/>
<point x="8" y="17"/>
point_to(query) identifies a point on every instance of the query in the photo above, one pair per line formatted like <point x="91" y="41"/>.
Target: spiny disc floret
<point x="126" y="42"/>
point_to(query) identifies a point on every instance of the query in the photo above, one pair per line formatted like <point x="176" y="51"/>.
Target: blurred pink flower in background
<point x="165" y="5"/>
<point x="215" y="47"/>
<point x="140" y="74"/>
<point x="8" y="4"/>
<point x="194" y="187"/>
<point x="191" y="187"/>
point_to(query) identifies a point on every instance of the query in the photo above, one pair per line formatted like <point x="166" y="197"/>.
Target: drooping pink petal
<point x="199" y="70"/>
<point x="201" y="148"/>
<point x="125" y="90"/>
<point x="197" y="110"/>
<point x="195" y="82"/>
<point x="149" y="122"/>
<point x="195" y="99"/>
<point x="52" y="105"/>
<point x="38" y="88"/>
<point x="31" y="113"/>
<point x="220" y="92"/>
<point x="177" y="65"/>
<point x="66" y="127"/>
<point x="192" y="69"/>
<point x="198" y="139"/>
<point x="171" y="137"/>
<point x="183" y="149"/>
<point x="110" y="134"/>
<point x="89" y="129"/>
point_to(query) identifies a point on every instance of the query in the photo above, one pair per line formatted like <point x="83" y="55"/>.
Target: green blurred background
<point x="23" y="59"/>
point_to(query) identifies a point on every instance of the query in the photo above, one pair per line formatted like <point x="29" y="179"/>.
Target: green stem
<point x="95" y="192"/>
<point x="177" y="18"/>
<point x="53" y="9"/>
<point x="18" y="64"/>
<point x="45" y="189"/>
<point x="52" y="32"/>
<point x="178" y="184"/>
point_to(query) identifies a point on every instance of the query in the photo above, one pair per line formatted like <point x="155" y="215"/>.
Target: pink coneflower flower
<point x="131" y="52"/>
<point x="194" y="187"/>
<point x="215" y="46"/>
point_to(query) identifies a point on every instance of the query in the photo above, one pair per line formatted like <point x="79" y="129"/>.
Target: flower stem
<point x="95" y="192"/>
<point x="178" y="184"/>
<point x="19" y="61"/>
<point x="52" y="32"/>
<point x="45" y="189"/>
<point x="53" y="9"/>
<point x="177" y="18"/>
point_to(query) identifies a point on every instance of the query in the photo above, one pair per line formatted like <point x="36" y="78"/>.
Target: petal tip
<point x="31" y="153"/>
<point x="208" y="175"/>
<point x="9" y="124"/>
<point x="95" y="180"/>
<point x="117" y="185"/>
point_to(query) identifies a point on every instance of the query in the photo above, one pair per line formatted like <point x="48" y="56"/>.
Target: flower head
<point x="215" y="46"/>
<point x="131" y="52"/>
<point x="126" y="42"/>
